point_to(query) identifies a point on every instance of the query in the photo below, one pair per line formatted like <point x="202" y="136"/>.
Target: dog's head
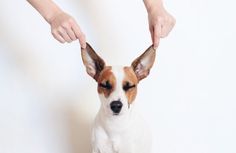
<point x="117" y="86"/>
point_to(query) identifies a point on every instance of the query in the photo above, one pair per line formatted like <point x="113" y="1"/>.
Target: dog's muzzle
<point x="116" y="107"/>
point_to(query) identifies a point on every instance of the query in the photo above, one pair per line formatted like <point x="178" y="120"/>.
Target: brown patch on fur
<point x="106" y="75"/>
<point x="133" y="80"/>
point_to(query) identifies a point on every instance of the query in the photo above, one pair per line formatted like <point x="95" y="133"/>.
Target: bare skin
<point x="160" y="21"/>
<point x="65" y="29"/>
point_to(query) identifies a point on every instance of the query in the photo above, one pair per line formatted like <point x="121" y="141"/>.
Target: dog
<point x="118" y="127"/>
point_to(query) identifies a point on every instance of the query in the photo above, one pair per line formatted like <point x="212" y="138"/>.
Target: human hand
<point x="65" y="29"/>
<point x="160" y="23"/>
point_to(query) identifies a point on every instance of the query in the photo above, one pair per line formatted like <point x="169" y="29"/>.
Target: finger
<point x="71" y="34"/>
<point x="82" y="40"/>
<point x="165" y="31"/>
<point x="151" y="29"/>
<point x="169" y="24"/>
<point x="64" y="34"/>
<point x="58" y="37"/>
<point x="79" y="35"/>
<point x="157" y="33"/>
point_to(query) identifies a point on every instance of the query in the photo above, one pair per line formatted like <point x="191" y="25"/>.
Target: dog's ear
<point x="143" y="63"/>
<point x="93" y="63"/>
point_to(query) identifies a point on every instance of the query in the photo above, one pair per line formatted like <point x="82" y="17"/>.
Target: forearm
<point x="46" y="8"/>
<point x="150" y="4"/>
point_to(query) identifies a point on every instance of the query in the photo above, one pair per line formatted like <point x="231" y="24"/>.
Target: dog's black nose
<point x="116" y="106"/>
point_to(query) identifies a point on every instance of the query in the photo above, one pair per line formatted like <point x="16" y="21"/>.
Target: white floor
<point x="47" y="101"/>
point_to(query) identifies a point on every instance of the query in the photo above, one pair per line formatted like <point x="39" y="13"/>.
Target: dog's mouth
<point x="116" y="114"/>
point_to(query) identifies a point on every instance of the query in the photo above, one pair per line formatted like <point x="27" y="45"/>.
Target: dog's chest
<point x="129" y="138"/>
<point x="132" y="140"/>
<point x="121" y="142"/>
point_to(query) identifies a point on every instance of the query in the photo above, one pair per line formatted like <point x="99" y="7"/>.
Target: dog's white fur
<point x="126" y="132"/>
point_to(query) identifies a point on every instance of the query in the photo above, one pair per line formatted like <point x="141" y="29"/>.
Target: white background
<point x="47" y="101"/>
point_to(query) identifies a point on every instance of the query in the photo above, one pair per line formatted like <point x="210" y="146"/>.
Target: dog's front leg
<point x="103" y="147"/>
<point x="96" y="151"/>
<point x="101" y="144"/>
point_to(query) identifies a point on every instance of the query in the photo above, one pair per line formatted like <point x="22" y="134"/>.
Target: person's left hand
<point x="160" y="23"/>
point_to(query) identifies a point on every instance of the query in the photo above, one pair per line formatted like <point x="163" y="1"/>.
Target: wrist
<point x="50" y="16"/>
<point x="47" y="8"/>
<point x="153" y="5"/>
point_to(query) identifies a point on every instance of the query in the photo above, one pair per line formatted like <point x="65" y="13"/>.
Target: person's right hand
<point x="160" y="23"/>
<point x="65" y="29"/>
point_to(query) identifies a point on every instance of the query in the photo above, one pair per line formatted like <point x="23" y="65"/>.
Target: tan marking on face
<point x="133" y="80"/>
<point x="106" y="76"/>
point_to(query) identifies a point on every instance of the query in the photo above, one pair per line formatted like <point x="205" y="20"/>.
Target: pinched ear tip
<point x="87" y="45"/>
<point x="152" y="48"/>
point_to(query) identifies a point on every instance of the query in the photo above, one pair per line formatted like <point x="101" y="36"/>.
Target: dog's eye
<point x="106" y="85"/>
<point x="128" y="86"/>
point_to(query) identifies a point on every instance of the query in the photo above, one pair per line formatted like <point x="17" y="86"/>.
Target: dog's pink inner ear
<point x="144" y="63"/>
<point x="94" y="64"/>
<point x="90" y="70"/>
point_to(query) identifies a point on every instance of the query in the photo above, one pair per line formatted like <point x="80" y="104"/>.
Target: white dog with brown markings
<point x="118" y="128"/>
